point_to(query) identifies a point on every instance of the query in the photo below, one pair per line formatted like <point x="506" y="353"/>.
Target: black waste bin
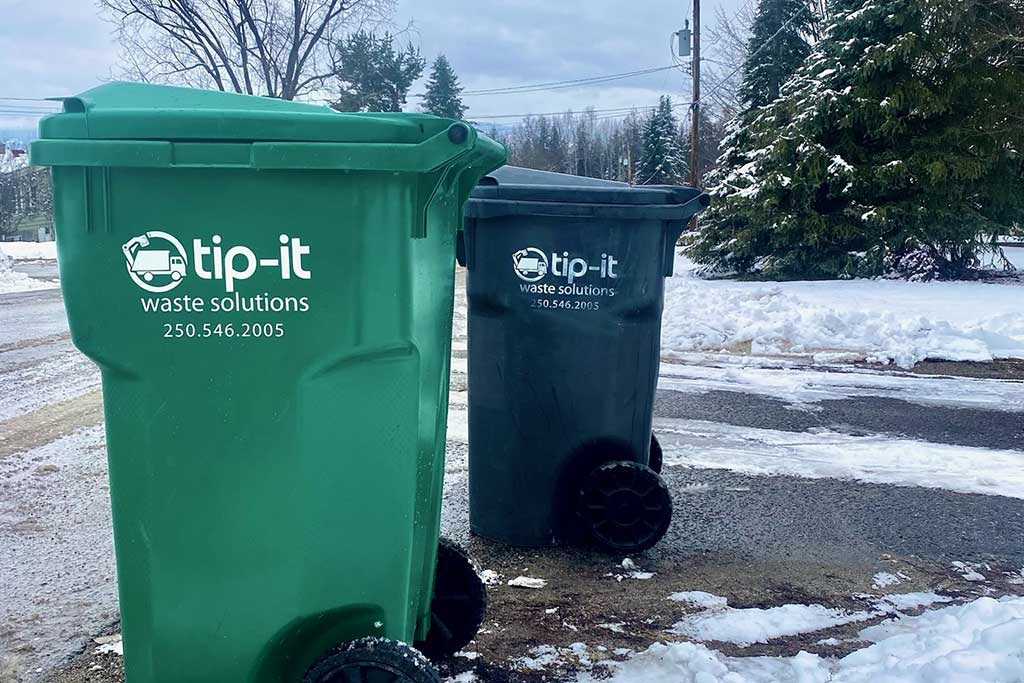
<point x="565" y="285"/>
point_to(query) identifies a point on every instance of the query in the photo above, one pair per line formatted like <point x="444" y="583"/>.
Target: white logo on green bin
<point x="156" y="261"/>
<point x="530" y="264"/>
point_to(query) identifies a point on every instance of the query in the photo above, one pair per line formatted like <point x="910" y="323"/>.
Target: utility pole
<point x="695" y="107"/>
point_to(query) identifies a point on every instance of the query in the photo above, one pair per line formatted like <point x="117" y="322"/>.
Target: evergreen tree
<point x="662" y="161"/>
<point x="776" y="50"/>
<point x="373" y="75"/>
<point x="443" y="90"/>
<point x="895" y="148"/>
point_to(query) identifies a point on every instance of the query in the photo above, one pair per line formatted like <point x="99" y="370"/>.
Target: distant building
<point x="26" y="206"/>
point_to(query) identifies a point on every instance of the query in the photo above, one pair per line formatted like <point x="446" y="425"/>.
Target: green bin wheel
<point x="459" y="603"/>
<point x="625" y="507"/>
<point x="373" y="659"/>
<point x="656" y="458"/>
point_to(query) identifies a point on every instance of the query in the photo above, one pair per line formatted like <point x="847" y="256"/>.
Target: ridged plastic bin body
<point x="562" y="373"/>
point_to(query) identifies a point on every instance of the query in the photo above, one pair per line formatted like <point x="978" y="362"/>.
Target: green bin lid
<point x="139" y="111"/>
<point x="141" y="125"/>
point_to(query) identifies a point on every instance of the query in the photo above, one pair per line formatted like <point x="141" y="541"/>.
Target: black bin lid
<point x="512" y="190"/>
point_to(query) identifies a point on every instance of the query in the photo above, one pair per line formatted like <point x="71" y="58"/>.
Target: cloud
<point x="58" y="47"/>
<point x="513" y="42"/>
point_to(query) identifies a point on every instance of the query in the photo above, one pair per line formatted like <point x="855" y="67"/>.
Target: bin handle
<point x="675" y="228"/>
<point x="454" y="180"/>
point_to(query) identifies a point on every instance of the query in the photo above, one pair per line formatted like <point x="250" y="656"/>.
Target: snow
<point x="746" y="627"/>
<point x="801" y="385"/>
<point x="978" y="641"/>
<point x="909" y="601"/>
<point x="458" y="426"/>
<point x="527" y="582"/>
<point x="818" y="454"/>
<point x="490" y="577"/>
<point x="112" y="644"/>
<point x="632" y="572"/>
<point x="1015" y="255"/>
<point x="873" y="320"/>
<point x="540" y="657"/>
<point x="29" y="386"/>
<point x="12" y="281"/>
<point x="969" y="571"/>
<point x="30" y="251"/>
<point x="884" y="580"/>
<point x="700" y="599"/>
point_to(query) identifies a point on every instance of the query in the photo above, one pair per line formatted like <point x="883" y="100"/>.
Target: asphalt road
<point x="760" y="540"/>
<point x="936" y="424"/>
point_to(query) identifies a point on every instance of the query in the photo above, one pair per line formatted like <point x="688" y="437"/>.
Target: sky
<point x="59" y="47"/>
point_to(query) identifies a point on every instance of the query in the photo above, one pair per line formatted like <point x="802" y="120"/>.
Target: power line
<point x="573" y="83"/>
<point x="610" y="113"/>
<point x="624" y="110"/>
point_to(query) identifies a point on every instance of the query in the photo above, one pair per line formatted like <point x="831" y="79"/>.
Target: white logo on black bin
<point x="530" y="264"/>
<point x="156" y="261"/>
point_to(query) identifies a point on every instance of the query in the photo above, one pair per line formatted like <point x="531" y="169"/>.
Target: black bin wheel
<point x="657" y="458"/>
<point x="376" y="660"/>
<point x="459" y="603"/>
<point x="625" y="507"/>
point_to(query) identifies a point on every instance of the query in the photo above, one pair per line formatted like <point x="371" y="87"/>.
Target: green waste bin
<point x="267" y="287"/>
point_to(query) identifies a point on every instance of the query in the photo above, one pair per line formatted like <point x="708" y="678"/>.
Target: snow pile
<point x="979" y="641"/>
<point x="822" y="454"/>
<point x="30" y="251"/>
<point x="873" y="320"/>
<point x="748" y="626"/>
<point x="11" y="281"/>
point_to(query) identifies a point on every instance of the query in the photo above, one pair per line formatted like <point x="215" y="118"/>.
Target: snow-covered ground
<point x="806" y="386"/>
<point x="977" y="641"/>
<point x="13" y="281"/>
<point x="30" y="251"/>
<point x="880" y="458"/>
<point x="874" y="320"/>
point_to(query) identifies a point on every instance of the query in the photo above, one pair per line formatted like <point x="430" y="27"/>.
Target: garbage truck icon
<point x="531" y="264"/>
<point x="146" y="261"/>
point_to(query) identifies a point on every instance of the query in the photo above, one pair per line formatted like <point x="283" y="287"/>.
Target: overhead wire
<point x="563" y="85"/>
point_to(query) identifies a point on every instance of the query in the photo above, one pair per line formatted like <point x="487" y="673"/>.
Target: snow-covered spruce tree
<point x="777" y="48"/>
<point x="442" y="96"/>
<point x="662" y="161"/>
<point x="896" y="147"/>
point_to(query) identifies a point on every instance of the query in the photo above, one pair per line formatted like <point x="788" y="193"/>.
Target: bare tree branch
<point x="279" y="48"/>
